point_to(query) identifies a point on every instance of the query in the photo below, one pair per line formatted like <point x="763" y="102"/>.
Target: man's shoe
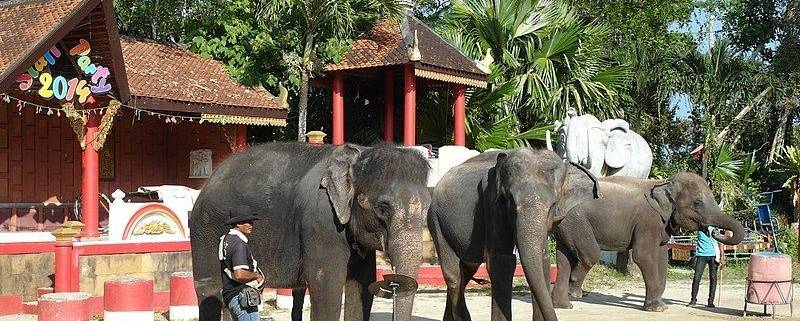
<point x="711" y="304"/>
<point x="692" y="303"/>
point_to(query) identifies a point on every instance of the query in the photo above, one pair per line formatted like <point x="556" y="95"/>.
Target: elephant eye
<point x="698" y="203"/>
<point x="382" y="210"/>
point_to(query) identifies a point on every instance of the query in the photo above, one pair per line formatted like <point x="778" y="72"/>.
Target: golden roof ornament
<point x="283" y="96"/>
<point x="487" y="61"/>
<point x="413" y="51"/>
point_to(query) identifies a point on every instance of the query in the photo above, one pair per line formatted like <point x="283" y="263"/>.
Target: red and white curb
<point x="182" y="297"/>
<point x="128" y="299"/>
<point x="285" y="301"/>
<point x="65" y="306"/>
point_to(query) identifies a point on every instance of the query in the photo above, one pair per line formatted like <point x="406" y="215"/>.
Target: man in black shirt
<point x="239" y="269"/>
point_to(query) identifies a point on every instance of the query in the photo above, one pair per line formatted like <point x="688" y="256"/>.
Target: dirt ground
<point x="619" y="304"/>
<point x="622" y="304"/>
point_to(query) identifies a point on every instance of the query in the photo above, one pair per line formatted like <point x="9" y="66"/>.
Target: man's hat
<point x="241" y="218"/>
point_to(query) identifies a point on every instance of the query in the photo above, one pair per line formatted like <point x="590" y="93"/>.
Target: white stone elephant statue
<point x="607" y="148"/>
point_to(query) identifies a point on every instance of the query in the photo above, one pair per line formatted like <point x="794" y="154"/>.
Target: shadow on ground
<point x="383" y="316"/>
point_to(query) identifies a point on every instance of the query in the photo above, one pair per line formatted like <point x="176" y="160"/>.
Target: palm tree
<point x="339" y="15"/>
<point x="718" y="85"/>
<point x="789" y="161"/>
<point x="545" y="61"/>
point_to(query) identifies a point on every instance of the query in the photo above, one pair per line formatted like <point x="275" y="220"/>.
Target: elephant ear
<point x="577" y="186"/>
<point x="661" y="199"/>
<point x="578" y="135"/>
<point x="498" y="184"/>
<point x="618" y="148"/>
<point x="338" y="180"/>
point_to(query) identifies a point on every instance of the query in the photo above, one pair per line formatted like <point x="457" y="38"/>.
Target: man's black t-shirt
<point x="237" y="256"/>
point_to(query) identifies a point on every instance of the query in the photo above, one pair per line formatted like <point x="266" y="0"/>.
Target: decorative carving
<point x="105" y="124"/>
<point x="154" y="228"/>
<point x="76" y="120"/>
<point x="200" y="163"/>
<point x="283" y="96"/>
<point x="413" y="51"/>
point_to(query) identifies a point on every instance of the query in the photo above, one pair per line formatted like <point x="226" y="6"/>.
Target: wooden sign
<point x="93" y="79"/>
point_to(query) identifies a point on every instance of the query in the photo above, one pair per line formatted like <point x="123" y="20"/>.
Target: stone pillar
<point x="338" y="108"/>
<point x="459" y="116"/>
<point x="388" y="107"/>
<point x="90" y="184"/>
<point x="409" y="106"/>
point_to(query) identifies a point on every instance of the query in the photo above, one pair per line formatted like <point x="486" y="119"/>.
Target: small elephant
<point x="323" y="211"/>
<point x="608" y="148"/>
<point x="483" y="208"/>
<point x="639" y="215"/>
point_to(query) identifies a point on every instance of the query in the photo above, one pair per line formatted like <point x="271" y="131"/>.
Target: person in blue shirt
<point x="706" y="253"/>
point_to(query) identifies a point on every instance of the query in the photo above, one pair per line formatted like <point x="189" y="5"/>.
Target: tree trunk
<point x="777" y="140"/>
<point x="302" y="105"/>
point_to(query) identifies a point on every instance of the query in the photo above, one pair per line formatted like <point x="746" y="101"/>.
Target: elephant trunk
<point x="532" y="231"/>
<point x="406" y="256"/>
<point x="726" y="222"/>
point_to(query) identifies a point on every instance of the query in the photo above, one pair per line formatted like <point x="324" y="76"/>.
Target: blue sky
<point x="698" y="28"/>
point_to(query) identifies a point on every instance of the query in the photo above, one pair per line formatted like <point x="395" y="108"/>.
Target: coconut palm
<point x="544" y="60"/>
<point x="338" y="15"/>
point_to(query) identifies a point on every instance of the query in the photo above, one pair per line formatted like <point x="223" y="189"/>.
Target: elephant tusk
<point x="548" y="140"/>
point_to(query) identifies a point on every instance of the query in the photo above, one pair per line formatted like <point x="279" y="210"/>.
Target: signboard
<point x="92" y="80"/>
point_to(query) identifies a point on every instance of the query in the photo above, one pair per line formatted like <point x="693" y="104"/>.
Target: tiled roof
<point x="169" y="72"/>
<point x="25" y="23"/>
<point x="387" y="42"/>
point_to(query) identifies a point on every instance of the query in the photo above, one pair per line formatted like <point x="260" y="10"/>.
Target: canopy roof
<point x="145" y="73"/>
<point x="393" y="43"/>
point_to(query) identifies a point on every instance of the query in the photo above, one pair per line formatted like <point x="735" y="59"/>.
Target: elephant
<point x="607" y="148"/>
<point x="324" y="210"/>
<point x="639" y="215"/>
<point x="483" y="208"/>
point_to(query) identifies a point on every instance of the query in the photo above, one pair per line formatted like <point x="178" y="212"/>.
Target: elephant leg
<point x="209" y="299"/>
<point x="326" y="274"/>
<point x="357" y="299"/>
<point x="456" y="275"/>
<point x="576" y="277"/>
<point x="564" y="261"/>
<point x="501" y="272"/>
<point x="500" y="263"/>
<point x="652" y="261"/>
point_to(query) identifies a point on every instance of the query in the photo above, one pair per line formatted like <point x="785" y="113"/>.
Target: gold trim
<point x="449" y="78"/>
<point x="242" y="120"/>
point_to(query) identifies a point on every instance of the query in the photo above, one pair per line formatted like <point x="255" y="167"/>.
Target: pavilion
<point x="410" y="53"/>
<point x="85" y="111"/>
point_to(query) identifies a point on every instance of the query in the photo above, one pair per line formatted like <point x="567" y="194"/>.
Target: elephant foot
<point x="655" y="306"/>
<point x="562" y="305"/>
<point x="576" y="293"/>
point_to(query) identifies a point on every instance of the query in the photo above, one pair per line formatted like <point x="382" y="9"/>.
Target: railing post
<point x="64" y="256"/>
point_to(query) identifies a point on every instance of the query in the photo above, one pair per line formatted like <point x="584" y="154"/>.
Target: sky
<point x="698" y="28"/>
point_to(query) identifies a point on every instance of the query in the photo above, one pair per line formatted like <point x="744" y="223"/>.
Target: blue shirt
<point x="706" y="245"/>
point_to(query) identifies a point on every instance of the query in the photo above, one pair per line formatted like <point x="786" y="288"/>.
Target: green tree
<point x="543" y="59"/>
<point x="312" y="16"/>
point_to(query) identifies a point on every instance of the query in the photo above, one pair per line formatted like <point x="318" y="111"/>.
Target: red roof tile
<point x="25" y="23"/>
<point x="162" y="71"/>
<point x="387" y="42"/>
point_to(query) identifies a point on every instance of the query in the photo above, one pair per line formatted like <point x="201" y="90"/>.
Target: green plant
<point x="787" y="240"/>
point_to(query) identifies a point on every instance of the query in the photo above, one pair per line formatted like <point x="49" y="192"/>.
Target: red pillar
<point x="90" y="185"/>
<point x="241" y="137"/>
<point x="63" y="273"/>
<point x="458" y="115"/>
<point x="388" y="108"/>
<point x="338" y="108"/>
<point x="409" y="107"/>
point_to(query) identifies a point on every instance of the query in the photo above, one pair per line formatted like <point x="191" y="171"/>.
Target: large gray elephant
<point x="607" y="148"/>
<point x="639" y="215"/>
<point x="483" y="208"/>
<point x="323" y="210"/>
